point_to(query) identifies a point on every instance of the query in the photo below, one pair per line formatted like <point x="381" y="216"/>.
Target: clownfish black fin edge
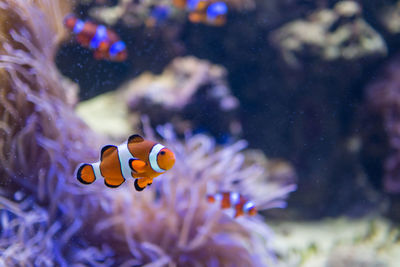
<point x="137" y="187"/>
<point x="112" y="186"/>
<point x="106" y="150"/>
<point x="135" y="139"/>
<point x="79" y="173"/>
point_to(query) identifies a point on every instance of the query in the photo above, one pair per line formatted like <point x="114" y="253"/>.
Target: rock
<point x="192" y="94"/>
<point x="368" y="242"/>
<point x="329" y="35"/>
<point x="105" y="114"/>
<point x="389" y="17"/>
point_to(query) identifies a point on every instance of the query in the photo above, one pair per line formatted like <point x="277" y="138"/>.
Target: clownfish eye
<point x="162" y="153"/>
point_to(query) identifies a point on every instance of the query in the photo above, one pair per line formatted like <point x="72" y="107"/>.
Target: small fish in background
<point x="138" y="158"/>
<point x="158" y="15"/>
<point x="216" y="13"/>
<point x="204" y="11"/>
<point x="105" y="43"/>
<point x="234" y="200"/>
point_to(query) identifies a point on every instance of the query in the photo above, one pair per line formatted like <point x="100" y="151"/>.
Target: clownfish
<point x="239" y="203"/>
<point x="204" y="11"/>
<point x="104" y="42"/>
<point x="158" y="15"/>
<point x="136" y="158"/>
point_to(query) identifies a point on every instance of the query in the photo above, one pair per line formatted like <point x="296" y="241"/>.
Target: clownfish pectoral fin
<point x="98" y="55"/>
<point x="137" y="165"/>
<point x="149" y="181"/>
<point x="210" y="198"/>
<point x="238" y="214"/>
<point x="137" y="187"/>
<point x="103" y="46"/>
<point x="85" y="174"/>
<point x="135" y="139"/>
<point x="113" y="183"/>
<point x="106" y="151"/>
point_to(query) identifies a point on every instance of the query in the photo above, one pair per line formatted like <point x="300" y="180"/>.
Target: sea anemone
<point x="48" y="219"/>
<point x="41" y="139"/>
<point x="173" y="224"/>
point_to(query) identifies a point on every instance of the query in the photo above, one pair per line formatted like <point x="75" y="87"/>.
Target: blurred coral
<point x="387" y="13"/>
<point x="339" y="242"/>
<point x="328" y="35"/>
<point x="383" y="102"/>
<point x="131" y="13"/>
<point x="190" y="93"/>
<point x="135" y="13"/>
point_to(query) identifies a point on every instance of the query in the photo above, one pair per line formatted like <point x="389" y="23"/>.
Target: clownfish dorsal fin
<point x="107" y="150"/>
<point x="135" y="139"/>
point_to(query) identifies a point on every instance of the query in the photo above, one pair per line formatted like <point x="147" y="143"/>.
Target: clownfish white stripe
<point x="248" y="206"/>
<point x="153" y="157"/>
<point x="78" y="27"/>
<point x="100" y="35"/>
<point x="124" y="156"/>
<point x="116" y="48"/>
<point x="234" y="198"/>
<point x="96" y="170"/>
<point x="218" y="197"/>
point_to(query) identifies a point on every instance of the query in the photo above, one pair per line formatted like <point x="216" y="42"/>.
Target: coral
<point x="190" y="93"/>
<point x="131" y="13"/>
<point x="135" y="13"/>
<point x="368" y="242"/>
<point x="383" y="103"/>
<point x="386" y="14"/>
<point x="116" y="122"/>
<point x="340" y="33"/>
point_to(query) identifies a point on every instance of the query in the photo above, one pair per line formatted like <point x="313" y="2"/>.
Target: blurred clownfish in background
<point x="239" y="203"/>
<point x="158" y="15"/>
<point x="204" y="11"/>
<point x="137" y="158"/>
<point x="105" y="42"/>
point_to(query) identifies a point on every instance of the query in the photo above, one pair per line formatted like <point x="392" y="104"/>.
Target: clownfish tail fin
<point x="85" y="174"/>
<point x="210" y="198"/>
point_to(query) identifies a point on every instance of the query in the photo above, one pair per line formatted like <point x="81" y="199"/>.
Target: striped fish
<point x="234" y="200"/>
<point x="105" y="43"/>
<point x="137" y="158"/>
<point x="210" y="12"/>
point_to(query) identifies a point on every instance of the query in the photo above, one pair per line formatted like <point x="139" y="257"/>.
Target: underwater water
<point x="200" y="133"/>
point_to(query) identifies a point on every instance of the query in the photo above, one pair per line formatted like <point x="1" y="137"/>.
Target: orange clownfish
<point x="105" y="42"/>
<point x="239" y="203"/>
<point x="210" y="12"/>
<point x="137" y="158"/>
